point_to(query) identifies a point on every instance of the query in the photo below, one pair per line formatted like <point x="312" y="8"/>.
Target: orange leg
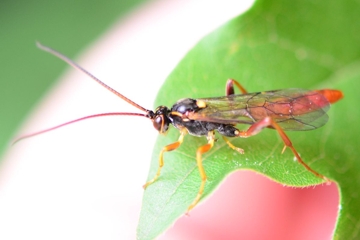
<point x="229" y="89"/>
<point x="201" y="150"/>
<point x="167" y="148"/>
<point x="240" y="150"/>
<point x="268" y="122"/>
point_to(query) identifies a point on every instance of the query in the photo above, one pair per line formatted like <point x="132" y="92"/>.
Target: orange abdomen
<point x="331" y="95"/>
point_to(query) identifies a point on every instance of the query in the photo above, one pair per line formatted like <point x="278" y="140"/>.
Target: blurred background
<point x="24" y="77"/>
<point x="84" y="181"/>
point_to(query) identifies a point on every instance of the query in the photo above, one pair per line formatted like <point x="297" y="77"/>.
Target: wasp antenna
<point x="75" y="65"/>
<point x="77" y="120"/>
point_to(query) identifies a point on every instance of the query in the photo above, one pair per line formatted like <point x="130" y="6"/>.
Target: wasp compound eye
<point x="158" y="122"/>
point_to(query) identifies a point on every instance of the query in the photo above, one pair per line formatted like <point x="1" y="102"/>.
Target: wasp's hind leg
<point x="229" y="89"/>
<point x="269" y="122"/>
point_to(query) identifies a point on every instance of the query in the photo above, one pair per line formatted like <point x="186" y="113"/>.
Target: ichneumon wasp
<point x="283" y="110"/>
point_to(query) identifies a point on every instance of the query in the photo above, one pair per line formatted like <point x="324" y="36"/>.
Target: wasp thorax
<point x="185" y="105"/>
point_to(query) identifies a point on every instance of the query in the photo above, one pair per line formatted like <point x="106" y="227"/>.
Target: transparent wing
<point x="292" y="109"/>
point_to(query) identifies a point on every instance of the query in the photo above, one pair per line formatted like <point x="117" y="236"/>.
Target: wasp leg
<point x="268" y="122"/>
<point x="229" y="89"/>
<point x="201" y="150"/>
<point x="240" y="150"/>
<point x="167" y="148"/>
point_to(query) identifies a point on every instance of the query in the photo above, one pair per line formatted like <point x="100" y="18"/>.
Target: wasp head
<point x="160" y="119"/>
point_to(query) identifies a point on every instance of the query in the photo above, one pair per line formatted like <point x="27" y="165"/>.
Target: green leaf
<point x="277" y="44"/>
